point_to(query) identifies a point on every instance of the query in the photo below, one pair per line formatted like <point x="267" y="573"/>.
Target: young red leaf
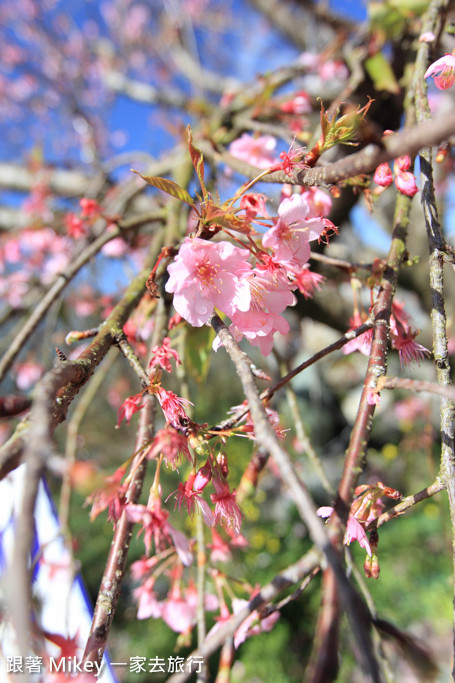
<point x="197" y="159"/>
<point x="167" y="186"/>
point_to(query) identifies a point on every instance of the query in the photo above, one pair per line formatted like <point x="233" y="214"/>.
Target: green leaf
<point x="381" y="73"/>
<point x="198" y="351"/>
<point x="167" y="186"/>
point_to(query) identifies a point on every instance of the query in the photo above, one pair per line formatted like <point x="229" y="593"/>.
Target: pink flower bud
<point x="406" y="183"/>
<point x="383" y="175"/>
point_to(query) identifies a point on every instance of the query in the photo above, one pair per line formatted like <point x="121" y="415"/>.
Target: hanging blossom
<point x="156" y="528"/>
<point x="366" y="507"/>
<point x="172" y="407"/>
<point x="130" y="405"/>
<point x="443" y="71"/>
<point x="227" y="512"/>
<point x="189" y="494"/>
<point x="163" y="354"/>
<point x="402" y="336"/>
<point x="171" y="444"/>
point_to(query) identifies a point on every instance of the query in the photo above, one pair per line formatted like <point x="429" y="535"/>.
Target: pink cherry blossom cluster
<point x="218" y="275"/>
<point x="402" y="337"/>
<point x="404" y="179"/>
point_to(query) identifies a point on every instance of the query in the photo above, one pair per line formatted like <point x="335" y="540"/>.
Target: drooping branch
<point x="267" y="440"/>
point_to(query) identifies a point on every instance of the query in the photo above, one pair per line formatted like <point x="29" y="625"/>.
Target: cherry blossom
<point x="443" y="72"/>
<point x="110" y="495"/>
<point x="354" y="530"/>
<point x="227" y="512"/>
<point x="171" y="444"/>
<point x="255" y="151"/>
<point x="130" y="405"/>
<point x="204" y="275"/>
<point x="162" y="356"/>
<point x="291" y="235"/>
<point x="189" y="494"/>
<point x="172" y="407"/>
<point x="156" y="528"/>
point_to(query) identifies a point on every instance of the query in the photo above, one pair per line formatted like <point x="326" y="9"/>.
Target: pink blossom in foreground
<point x="255" y="151"/>
<point x="204" y="275"/>
<point x="163" y="354"/>
<point x="443" y="72"/>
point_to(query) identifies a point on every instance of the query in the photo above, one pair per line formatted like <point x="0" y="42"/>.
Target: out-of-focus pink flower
<point x="406" y="183"/>
<point x="130" y="405"/>
<point x="147" y="603"/>
<point x="156" y="528"/>
<point x="116" y="248"/>
<point x="427" y="37"/>
<point x="162" y="356"/>
<point x="255" y="151"/>
<point x="110" y="495"/>
<point x="177" y="613"/>
<point x="443" y="71"/>
<point x="307" y="281"/>
<point x="27" y="374"/>
<point x="89" y="208"/>
<point x="220" y="551"/>
<point x="383" y="175"/>
<point x="206" y="274"/>
<point x="319" y="202"/>
<point x="253" y="203"/>
<point x="299" y="104"/>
